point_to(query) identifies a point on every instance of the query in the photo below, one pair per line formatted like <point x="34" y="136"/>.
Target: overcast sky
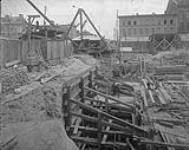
<point x="101" y="12"/>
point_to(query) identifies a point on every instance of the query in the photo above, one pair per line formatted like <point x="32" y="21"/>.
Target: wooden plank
<point x="99" y="135"/>
<point x="161" y="98"/>
<point x="165" y="144"/>
<point x="113" y="144"/>
<point x="84" y="117"/>
<point x="87" y="140"/>
<point x="1" y="53"/>
<point x="92" y="141"/>
<point x="144" y="97"/>
<point x="151" y="97"/>
<point x="12" y="63"/>
<point x="94" y="130"/>
<point x="173" y="121"/>
<point x="107" y="129"/>
<point x="78" y="121"/>
<point x="127" y="124"/>
<point x="129" y="144"/>
<point x="109" y="97"/>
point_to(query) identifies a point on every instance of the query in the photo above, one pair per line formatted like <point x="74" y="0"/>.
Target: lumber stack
<point x="178" y="69"/>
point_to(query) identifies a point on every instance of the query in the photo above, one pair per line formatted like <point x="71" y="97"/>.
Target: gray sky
<point x="102" y="12"/>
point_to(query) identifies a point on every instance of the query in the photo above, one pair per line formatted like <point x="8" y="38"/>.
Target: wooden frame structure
<point x="95" y="120"/>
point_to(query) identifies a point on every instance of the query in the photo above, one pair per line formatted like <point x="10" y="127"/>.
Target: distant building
<point x="12" y="27"/>
<point x="156" y="32"/>
<point x="73" y="32"/>
<point x="181" y="9"/>
<point x="141" y="27"/>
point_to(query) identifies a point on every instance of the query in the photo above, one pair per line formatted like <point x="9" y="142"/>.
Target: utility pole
<point x="0" y="17"/>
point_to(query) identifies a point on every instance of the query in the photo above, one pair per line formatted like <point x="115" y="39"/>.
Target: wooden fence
<point x="10" y="51"/>
<point x="14" y="51"/>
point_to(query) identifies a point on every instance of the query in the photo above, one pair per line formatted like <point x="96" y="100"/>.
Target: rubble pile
<point x="39" y="99"/>
<point x="12" y="79"/>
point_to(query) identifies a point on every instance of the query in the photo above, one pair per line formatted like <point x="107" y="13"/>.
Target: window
<point x="158" y="30"/>
<point x="172" y="30"/>
<point x="122" y="32"/>
<point x="134" y="31"/>
<point x="165" y="22"/>
<point x="171" y="21"/>
<point x="125" y="34"/>
<point x="159" y="22"/>
<point x="129" y="32"/>
<point x="135" y="23"/>
<point x="147" y="31"/>
<point x="129" y="23"/>
<point x="165" y="30"/>
<point x="123" y="23"/>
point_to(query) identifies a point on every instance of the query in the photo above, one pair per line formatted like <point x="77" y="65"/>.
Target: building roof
<point x="174" y="4"/>
<point x="145" y="15"/>
<point x="87" y="37"/>
<point x="136" y="39"/>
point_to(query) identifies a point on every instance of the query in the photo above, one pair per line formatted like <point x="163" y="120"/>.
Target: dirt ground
<point x="39" y="101"/>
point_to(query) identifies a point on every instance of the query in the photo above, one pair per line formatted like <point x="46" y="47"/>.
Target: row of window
<point x="134" y="23"/>
<point x="145" y="31"/>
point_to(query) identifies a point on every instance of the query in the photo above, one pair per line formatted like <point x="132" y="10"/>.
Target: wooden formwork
<point x="98" y="123"/>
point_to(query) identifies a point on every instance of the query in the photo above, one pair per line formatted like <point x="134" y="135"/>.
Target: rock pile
<point x="12" y="79"/>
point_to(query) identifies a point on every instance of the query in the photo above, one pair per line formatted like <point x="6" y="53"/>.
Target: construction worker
<point x="116" y="89"/>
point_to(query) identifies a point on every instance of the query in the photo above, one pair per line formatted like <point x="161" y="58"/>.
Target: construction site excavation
<point x="73" y="86"/>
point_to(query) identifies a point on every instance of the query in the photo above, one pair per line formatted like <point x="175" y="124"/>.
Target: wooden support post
<point x="69" y="118"/>
<point x="99" y="130"/>
<point x="106" y="102"/>
<point x="91" y="80"/>
<point x="64" y="103"/>
<point x="129" y="144"/>
<point x="106" y="135"/>
<point x="126" y="124"/>
<point x="109" y="97"/>
<point x="82" y="94"/>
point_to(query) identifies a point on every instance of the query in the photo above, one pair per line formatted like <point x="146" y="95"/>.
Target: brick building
<point x="181" y="9"/>
<point x="140" y="27"/>
<point x="154" y="32"/>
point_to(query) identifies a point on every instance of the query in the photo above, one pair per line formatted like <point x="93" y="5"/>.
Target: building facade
<point x="181" y="9"/>
<point x="12" y="27"/>
<point x="141" y="27"/>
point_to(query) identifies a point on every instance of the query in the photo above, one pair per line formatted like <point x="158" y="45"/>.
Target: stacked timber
<point x="185" y="91"/>
<point x="178" y="69"/>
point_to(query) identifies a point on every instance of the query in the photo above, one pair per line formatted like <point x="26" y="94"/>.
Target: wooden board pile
<point x="12" y="79"/>
<point x="179" y="69"/>
<point x="156" y="93"/>
<point x="166" y="109"/>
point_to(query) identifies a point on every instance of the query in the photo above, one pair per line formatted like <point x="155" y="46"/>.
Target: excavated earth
<point x="31" y="115"/>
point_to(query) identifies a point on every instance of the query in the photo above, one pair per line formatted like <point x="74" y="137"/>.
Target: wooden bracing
<point x="95" y="120"/>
